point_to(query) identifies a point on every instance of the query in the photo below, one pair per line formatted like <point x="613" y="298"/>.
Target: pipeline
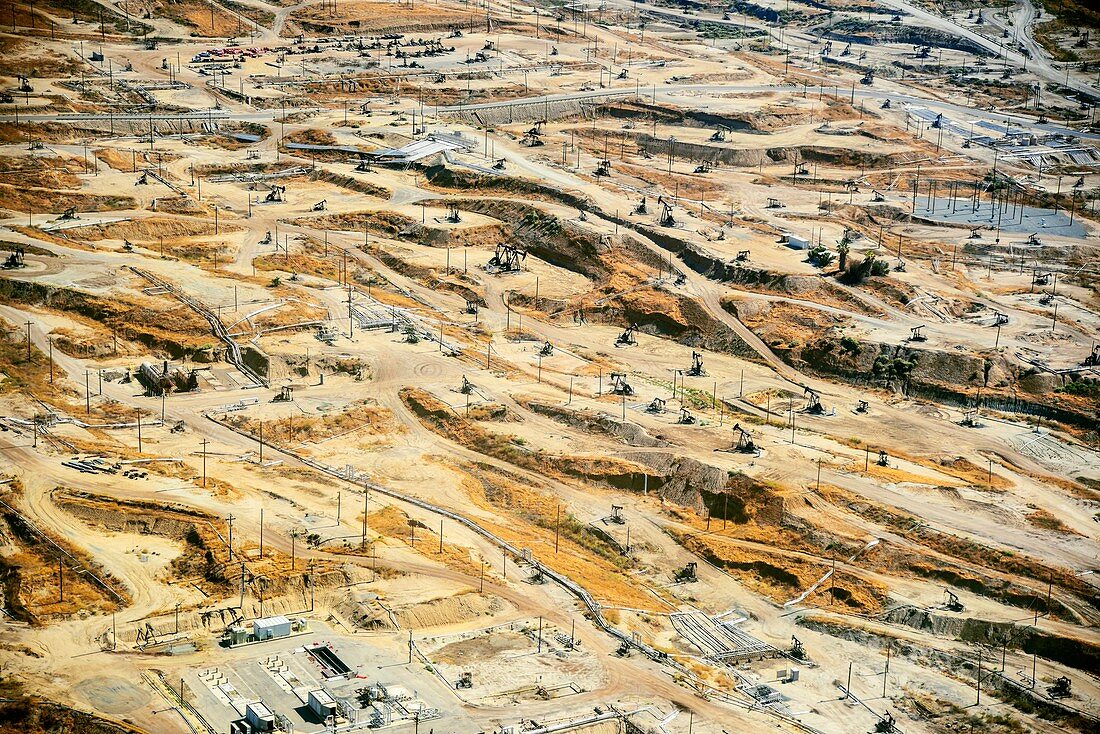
<point x="595" y="609"/>
<point x="75" y="561"/>
<point x="234" y="352"/>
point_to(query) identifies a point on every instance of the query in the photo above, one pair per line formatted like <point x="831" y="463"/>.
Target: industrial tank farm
<point x="603" y="367"/>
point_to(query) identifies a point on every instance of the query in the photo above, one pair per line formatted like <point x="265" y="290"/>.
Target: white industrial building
<point x="322" y="703"/>
<point x="268" y="628"/>
<point x="418" y="150"/>
<point x="795" y="242"/>
<point x="258" y="716"/>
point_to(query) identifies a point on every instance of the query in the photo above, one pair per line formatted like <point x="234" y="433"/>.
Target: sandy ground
<point x="510" y="467"/>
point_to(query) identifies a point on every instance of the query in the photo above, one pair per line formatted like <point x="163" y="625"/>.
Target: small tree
<point x="856" y="273"/>
<point x="820" y="257"/>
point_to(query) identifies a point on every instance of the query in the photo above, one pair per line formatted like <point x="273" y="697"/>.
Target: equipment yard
<point x="613" y="367"/>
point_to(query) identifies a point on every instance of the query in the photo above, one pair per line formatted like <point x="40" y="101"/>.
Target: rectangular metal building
<point x="259" y="716"/>
<point x="322" y="703"/>
<point x="795" y="242"/>
<point x="268" y="628"/>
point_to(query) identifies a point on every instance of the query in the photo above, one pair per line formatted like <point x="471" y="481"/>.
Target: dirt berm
<point x="1073" y="652"/>
<point x="543" y="235"/>
<point x="166" y="326"/>
<point x="468" y="182"/>
<point x="705" y="488"/>
<point x="939" y="375"/>
<point x="685" y="481"/>
<point x="860" y="31"/>
<point x="1005" y="687"/>
<point x="349" y="183"/>
<point x="630" y="433"/>
<point x="752" y="157"/>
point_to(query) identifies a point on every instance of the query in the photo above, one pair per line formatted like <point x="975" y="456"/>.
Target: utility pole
<point x="366" y="501"/>
<point x="261" y="532"/>
<point x="557" y="528"/>
<point x="832" y="583"/>
<point x="978" y="680"/>
<point x="204" y="442"/>
<point x="886" y="671"/>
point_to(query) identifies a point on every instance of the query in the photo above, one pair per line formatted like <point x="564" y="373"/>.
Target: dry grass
<point x="392" y="523"/>
<point x="197" y="15"/>
<point x="781" y="579"/>
<point x="440" y="418"/>
<point x="157" y="323"/>
<point x="32" y="587"/>
<point x="533" y="521"/>
<point x="892" y="475"/>
<point x="200" y="252"/>
<point x="289" y="314"/>
<point x="151" y="230"/>
<point x="959" y="467"/>
<point x="365" y="417"/>
<point x="117" y="160"/>
<point x="204" y="556"/>
<point x="971" y="473"/>
<point x="90" y="342"/>
<point x="12" y="133"/>
<point x="386" y="223"/>
<point x="968" y="552"/>
<point x="300" y="263"/>
<point x="786" y="323"/>
<point x="21" y="57"/>
<point x="55" y="201"/>
<point x="1046" y="520"/>
<point x="367" y="17"/>
<point x="50" y="172"/>
<point x="689" y="188"/>
<point x="311" y="136"/>
<point x="55" y="238"/>
<point x="29" y="378"/>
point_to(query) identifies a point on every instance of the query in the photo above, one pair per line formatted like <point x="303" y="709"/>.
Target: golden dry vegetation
<point x="367" y="17"/>
<point x="364" y="417"/>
